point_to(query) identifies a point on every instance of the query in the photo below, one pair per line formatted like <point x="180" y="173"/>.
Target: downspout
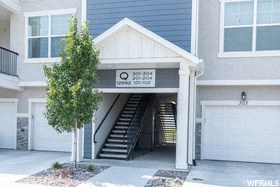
<point x="192" y="118"/>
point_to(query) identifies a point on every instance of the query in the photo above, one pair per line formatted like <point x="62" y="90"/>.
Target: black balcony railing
<point x="8" y="62"/>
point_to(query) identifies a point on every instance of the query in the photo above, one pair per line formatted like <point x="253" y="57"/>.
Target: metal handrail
<point x="9" y="50"/>
<point x="106" y="116"/>
<point x="129" y="150"/>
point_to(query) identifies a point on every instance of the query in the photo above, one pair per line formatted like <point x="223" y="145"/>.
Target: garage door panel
<point x="242" y="133"/>
<point x="8" y="117"/>
<point x="45" y="137"/>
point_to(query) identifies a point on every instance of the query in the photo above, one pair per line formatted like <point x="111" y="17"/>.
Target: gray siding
<point x="88" y="141"/>
<point x="170" y="19"/>
<point x="165" y="78"/>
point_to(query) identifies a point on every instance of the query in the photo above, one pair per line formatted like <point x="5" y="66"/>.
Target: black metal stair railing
<point x="137" y="122"/>
<point x="8" y="62"/>
<point x="104" y="118"/>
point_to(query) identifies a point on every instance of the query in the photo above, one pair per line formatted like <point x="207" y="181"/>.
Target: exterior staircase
<point x="167" y="114"/>
<point x="128" y="125"/>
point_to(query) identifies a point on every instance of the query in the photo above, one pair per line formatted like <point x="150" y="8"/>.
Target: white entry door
<point x="45" y="137"/>
<point x="8" y="125"/>
<point x="241" y="133"/>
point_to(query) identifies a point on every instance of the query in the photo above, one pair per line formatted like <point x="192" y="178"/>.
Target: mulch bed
<point x="53" y="177"/>
<point x="166" y="178"/>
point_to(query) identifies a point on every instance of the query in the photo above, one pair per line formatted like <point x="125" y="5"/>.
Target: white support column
<point x="182" y="117"/>
<point x="191" y="118"/>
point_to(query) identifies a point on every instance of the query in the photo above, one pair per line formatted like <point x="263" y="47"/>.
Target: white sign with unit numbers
<point x="135" y="78"/>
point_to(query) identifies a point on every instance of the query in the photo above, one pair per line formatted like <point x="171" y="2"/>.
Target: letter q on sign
<point x="124" y="76"/>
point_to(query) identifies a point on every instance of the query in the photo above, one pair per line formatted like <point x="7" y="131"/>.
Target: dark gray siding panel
<point x="165" y="78"/>
<point x="88" y="141"/>
<point x="170" y="19"/>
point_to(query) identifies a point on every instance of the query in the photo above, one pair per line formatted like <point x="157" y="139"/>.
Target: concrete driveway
<point x="15" y="165"/>
<point x="220" y="173"/>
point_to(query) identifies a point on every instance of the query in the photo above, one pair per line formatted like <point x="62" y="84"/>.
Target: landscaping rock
<point x="167" y="178"/>
<point x="63" y="177"/>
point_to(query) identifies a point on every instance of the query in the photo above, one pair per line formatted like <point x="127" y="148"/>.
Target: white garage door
<point x="8" y="125"/>
<point x="45" y="137"/>
<point x="248" y="133"/>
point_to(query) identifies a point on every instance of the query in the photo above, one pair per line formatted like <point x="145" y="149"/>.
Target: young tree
<point x="71" y="95"/>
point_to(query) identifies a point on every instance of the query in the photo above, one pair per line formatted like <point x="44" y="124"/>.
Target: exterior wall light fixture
<point x="243" y="100"/>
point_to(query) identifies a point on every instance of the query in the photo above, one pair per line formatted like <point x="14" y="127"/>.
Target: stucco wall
<point x="34" y="71"/>
<point x="228" y="68"/>
<point x="5" y="34"/>
<point x="234" y="93"/>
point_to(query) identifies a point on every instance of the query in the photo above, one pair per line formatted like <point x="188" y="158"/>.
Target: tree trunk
<point x="75" y="145"/>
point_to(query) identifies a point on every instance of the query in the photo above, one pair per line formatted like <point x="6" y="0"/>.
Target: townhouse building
<point x="157" y="91"/>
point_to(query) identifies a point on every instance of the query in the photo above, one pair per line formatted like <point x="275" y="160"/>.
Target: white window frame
<point x="253" y="53"/>
<point x="49" y="13"/>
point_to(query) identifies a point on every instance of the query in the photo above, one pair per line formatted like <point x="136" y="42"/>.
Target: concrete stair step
<point x="114" y="150"/>
<point x="126" y="115"/>
<point x="117" y="140"/>
<point x="115" y="145"/>
<point x="118" y="131"/>
<point x="118" y="136"/>
<point x="123" y="123"/>
<point x="121" y="127"/>
<point x="124" y="119"/>
<point x="107" y="155"/>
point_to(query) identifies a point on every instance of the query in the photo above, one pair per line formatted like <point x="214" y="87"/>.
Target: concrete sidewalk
<point x="121" y="176"/>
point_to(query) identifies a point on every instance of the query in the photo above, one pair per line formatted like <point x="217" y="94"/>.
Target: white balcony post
<point x="182" y="117"/>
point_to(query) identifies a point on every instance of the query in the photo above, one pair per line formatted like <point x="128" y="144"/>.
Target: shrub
<point x="90" y="168"/>
<point x="56" y="165"/>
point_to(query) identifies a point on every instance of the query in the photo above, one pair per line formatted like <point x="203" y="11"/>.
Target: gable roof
<point x="149" y="34"/>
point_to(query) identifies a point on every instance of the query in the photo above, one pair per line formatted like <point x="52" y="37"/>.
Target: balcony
<point x="8" y="69"/>
<point x="8" y="62"/>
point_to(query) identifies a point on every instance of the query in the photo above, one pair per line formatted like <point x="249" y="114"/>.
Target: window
<point x="45" y="34"/>
<point x="251" y="26"/>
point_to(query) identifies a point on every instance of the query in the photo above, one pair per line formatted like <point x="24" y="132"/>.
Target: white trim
<point x="8" y="100"/>
<point x="275" y="82"/>
<point x="51" y="12"/>
<point x="248" y="54"/>
<point x="37" y="100"/>
<point x="48" y="13"/>
<point x="194" y="31"/>
<point x="221" y="38"/>
<point x="11" y="5"/>
<point x="236" y="103"/>
<point x="84" y="10"/>
<point x="254" y="52"/>
<point x="42" y="60"/>
<point x="23" y="115"/>
<point x="143" y="60"/>
<point x="33" y="84"/>
<point x="129" y="23"/>
<point x="9" y="82"/>
<point x="139" y="90"/>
